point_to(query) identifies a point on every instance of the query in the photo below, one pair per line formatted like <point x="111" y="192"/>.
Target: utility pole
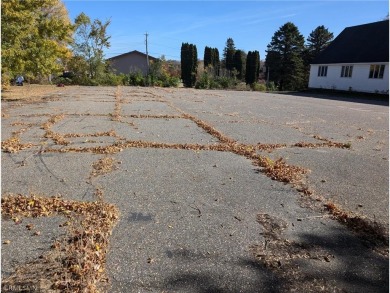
<point x="147" y="55"/>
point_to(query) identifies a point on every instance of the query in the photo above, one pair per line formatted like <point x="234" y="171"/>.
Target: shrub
<point x="62" y="80"/>
<point x="242" y="86"/>
<point x="225" y="82"/>
<point x="84" y="80"/>
<point x="171" y="82"/>
<point x="203" y="82"/>
<point x="5" y="81"/>
<point x="111" y="79"/>
<point x="157" y="83"/>
<point x="136" y="79"/>
<point x="271" y="86"/>
<point x="214" y="84"/>
<point x="259" y="87"/>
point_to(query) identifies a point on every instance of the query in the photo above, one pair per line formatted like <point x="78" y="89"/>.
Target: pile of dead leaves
<point x="79" y="262"/>
<point x="281" y="171"/>
<point x="209" y="129"/>
<point x="103" y="166"/>
<point x="270" y="147"/>
<point x="328" y="143"/>
<point x="13" y="145"/>
<point x="56" y="137"/>
<point x="52" y="120"/>
<point x="111" y="133"/>
<point x="367" y="229"/>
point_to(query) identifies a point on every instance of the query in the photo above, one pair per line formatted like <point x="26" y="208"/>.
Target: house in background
<point x="130" y="62"/>
<point x="357" y="60"/>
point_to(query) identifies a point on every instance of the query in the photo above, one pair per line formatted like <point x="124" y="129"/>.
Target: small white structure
<point x="357" y="60"/>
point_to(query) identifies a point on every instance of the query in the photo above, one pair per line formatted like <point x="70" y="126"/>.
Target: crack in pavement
<point x="277" y="169"/>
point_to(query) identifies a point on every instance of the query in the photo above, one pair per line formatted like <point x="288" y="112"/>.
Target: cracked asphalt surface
<point x="194" y="220"/>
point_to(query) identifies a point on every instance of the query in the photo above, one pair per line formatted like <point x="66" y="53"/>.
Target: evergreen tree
<point x="216" y="61"/>
<point x="252" y="67"/>
<point x="211" y="58"/>
<point x="228" y="54"/>
<point x="189" y="64"/>
<point x="284" y="58"/>
<point x="249" y="73"/>
<point x="208" y="57"/>
<point x="238" y="63"/>
<point x="35" y="36"/>
<point x="257" y="64"/>
<point x="185" y="60"/>
<point x="317" y="41"/>
<point x="194" y="67"/>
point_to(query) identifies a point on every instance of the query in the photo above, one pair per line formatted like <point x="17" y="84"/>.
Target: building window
<point x="377" y="71"/>
<point x="346" y="71"/>
<point x="322" y="70"/>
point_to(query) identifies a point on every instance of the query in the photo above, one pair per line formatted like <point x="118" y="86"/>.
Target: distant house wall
<point x="130" y="62"/>
<point x="359" y="81"/>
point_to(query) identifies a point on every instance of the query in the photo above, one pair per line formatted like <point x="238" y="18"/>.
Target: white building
<point x="357" y="60"/>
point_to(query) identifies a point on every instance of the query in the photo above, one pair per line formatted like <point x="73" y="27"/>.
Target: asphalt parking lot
<point x="196" y="191"/>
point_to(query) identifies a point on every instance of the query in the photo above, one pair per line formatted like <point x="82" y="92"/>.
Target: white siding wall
<point x="358" y="82"/>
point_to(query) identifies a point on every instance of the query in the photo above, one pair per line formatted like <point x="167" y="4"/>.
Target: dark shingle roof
<point x="365" y="43"/>
<point x="131" y="53"/>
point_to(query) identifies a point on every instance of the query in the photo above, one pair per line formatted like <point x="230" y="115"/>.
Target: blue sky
<point x="251" y="24"/>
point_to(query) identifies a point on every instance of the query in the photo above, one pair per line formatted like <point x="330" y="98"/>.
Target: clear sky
<point x="251" y="24"/>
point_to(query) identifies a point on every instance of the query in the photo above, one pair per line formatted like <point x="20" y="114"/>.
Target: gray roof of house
<point x="131" y="53"/>
<point x="367" y="43"/>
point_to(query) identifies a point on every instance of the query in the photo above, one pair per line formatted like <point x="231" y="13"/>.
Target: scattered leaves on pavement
<point x="76" y="263"/>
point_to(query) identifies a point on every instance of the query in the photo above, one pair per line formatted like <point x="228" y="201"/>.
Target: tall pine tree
<point x="284" y="59"/>
<point x="252" y="67"/>
<point x="208" y="57"/>
<point x="317" y="41"/>
<point x="211" y="58"/>
<point x="189" y="64"/>
<point x="216" y="61"/>
<point x="228" y="54"/>
<point x="238" y="63"/>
